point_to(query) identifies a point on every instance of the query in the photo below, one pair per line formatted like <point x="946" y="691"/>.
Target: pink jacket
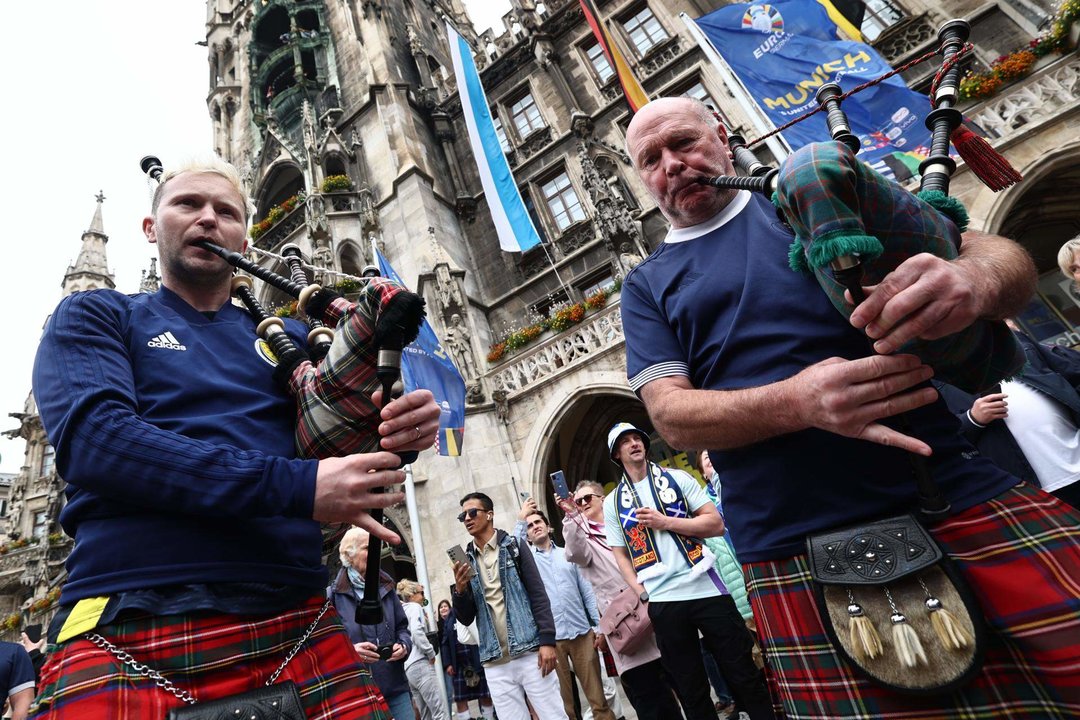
<point x="587" y="548"/>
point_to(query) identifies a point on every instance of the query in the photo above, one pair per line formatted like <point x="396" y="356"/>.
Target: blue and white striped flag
<point x="512" y="222"/>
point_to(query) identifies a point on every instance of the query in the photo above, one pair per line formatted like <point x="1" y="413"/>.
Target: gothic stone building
<point x="306" y="90"/>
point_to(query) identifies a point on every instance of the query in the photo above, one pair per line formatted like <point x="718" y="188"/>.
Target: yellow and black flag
<point x="632" y="90"/>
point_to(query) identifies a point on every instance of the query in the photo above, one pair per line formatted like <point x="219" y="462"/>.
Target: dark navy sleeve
<point x="22" y="671"/>
<point x="652" y="349"/>
<point x="84" y="388"/>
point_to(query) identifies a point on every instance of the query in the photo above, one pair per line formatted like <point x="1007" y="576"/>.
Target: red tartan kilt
<point x="211" y="656"/>
<point x="1019" y="553"/>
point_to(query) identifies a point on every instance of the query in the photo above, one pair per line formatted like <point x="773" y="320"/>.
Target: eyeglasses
<point x="471" y="513"/>
<point x="585" y="499"/>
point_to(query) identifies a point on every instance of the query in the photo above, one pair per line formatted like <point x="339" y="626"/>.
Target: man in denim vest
<point x="501" y="589"/>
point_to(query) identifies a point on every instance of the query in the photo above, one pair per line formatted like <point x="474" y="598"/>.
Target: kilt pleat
<point x="211" y="656"/>
<point x="1019" y="553"/>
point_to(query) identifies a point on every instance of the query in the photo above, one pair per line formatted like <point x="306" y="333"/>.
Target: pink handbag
<point x="626" y="623"/>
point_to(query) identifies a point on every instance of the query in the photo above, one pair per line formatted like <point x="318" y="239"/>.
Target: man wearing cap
<point x="653" y="521"/>
<point x="16" y="679"/>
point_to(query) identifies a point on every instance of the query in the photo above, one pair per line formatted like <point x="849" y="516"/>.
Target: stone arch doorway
<point x="1044" y="214"/>
<point x="1041" y="213"/>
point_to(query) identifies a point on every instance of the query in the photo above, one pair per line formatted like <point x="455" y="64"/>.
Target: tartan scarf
<point x="667" y="496"/>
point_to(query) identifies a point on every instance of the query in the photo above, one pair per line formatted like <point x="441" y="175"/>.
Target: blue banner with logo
<point x="784" y="51"/>
<point x="424" y="364"/>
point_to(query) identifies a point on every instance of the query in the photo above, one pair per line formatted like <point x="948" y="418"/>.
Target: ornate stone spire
<point x="90" y="271"/>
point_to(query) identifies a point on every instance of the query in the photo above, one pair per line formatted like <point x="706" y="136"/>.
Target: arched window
<point x="352" y="261"/>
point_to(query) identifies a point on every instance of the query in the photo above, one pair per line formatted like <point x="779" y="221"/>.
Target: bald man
<point x="732" y="351"/>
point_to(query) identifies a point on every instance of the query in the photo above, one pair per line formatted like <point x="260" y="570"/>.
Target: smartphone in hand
<point x="558" y="481"/>
<point x="457" y="555"/>
<point x="525" y="496"/>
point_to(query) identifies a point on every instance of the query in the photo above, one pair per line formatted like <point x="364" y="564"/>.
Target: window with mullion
<point x="600" y="64"/>
<point x="879" y="15"/>
<point x="499" y="132"/>
<point x="645" y="31"/>
<point x="562" y="201"/>
<point x="526" y="115"/>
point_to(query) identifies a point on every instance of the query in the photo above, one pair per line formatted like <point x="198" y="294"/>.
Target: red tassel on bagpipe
<point x="984" y="161"/>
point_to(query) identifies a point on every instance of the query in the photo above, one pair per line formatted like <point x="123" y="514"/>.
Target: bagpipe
<point x="355" y="350"/>
<point x="853" y="226"/>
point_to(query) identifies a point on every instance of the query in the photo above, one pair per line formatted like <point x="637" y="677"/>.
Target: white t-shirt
<point x="674" y="582"/>
<point x="1045" y="434"/>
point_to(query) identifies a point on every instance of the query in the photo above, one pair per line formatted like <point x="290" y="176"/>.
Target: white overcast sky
<point x="92" y="87"/>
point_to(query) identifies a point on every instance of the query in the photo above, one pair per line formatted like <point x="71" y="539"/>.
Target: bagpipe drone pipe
<point x="853" y="226"/>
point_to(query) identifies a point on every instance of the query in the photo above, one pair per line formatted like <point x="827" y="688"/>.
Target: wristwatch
<point x="644" y="596"/>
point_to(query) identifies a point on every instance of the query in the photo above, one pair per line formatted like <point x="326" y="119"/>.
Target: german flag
<point x="632" y="90"/>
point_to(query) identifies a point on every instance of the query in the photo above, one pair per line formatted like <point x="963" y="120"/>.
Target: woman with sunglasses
<point x="644" y="681"/>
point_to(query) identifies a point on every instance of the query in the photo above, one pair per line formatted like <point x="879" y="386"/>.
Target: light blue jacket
<point x="529" y="623"/>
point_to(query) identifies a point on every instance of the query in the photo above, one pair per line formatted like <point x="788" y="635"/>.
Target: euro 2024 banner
<point x="784" y="51"/>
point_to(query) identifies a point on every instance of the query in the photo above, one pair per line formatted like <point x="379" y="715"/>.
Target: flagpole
<point x="421" y="565"/>
<point x="777" y="144"/>
<point x="555" y="269"/>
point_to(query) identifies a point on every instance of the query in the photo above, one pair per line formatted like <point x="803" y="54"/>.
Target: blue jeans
<point x="401" y="706"/>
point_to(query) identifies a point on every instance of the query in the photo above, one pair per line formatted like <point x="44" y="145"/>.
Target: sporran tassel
<point x="864" y="638"/>
<point x="909" y="649"/>
<point x="946" y="626"/>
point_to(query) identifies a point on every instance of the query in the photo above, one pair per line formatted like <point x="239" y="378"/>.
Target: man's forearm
<point x="1002" y="270"/>
<point x="702" y="525"/>
<point x="723" y="419"/>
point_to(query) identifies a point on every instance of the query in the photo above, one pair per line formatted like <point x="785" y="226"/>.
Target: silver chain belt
<point x="165" y="684"/>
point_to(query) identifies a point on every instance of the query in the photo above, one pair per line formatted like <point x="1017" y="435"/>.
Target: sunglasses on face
<point x="471" y="513"/>
<point x="585" y="499"/>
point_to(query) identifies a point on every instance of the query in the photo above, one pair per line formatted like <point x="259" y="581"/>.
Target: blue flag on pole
<point x="784" y="51"/>
<point x="424" y="364"/>
<point x="512" y="222"/>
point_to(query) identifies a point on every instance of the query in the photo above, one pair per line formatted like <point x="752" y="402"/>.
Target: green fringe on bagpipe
<point x="828" y="247"/>
<point x="948" y="206"/>
<point x="796" y="258"/>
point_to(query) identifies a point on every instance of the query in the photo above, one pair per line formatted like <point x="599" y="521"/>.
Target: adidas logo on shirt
<point x="166" y="340"/>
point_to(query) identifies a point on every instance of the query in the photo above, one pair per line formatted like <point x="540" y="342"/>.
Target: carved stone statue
<point x="447" y="290"/>
<point x="628" y="258"/>
<point x="318" y="225"/>
<point x="457" y="342"/>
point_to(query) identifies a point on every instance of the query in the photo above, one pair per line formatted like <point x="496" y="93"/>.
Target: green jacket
<point x="730" y="572"/>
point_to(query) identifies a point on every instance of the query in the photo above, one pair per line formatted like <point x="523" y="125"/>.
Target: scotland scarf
<point x="640" y="542"/>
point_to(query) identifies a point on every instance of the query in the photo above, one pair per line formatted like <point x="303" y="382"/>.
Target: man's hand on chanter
<point x="848" y="397"/>
<point x="346" y="488"/>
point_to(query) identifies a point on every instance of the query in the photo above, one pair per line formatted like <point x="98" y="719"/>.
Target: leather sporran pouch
<point x="280" y="701"/>
<point x="894" y="607"/>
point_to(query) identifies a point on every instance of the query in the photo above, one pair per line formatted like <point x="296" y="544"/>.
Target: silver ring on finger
<point x="418" y="433"/>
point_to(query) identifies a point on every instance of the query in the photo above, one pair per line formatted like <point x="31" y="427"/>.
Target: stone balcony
<point x="282" y="229"/>
<point x="1047" y="94"/>
<point x="597" y="334"/>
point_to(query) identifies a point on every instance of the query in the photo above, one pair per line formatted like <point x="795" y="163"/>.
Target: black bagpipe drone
<point x="355" y="350"/>
<point x="823" y="187"/>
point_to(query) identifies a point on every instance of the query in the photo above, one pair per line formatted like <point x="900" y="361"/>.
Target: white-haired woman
<point x="392" y="634"/>
<point x="420" y="665"/>
<point x="1069" y="259"/>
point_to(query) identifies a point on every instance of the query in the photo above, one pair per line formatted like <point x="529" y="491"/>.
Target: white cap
<point x="617" y="431"/>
